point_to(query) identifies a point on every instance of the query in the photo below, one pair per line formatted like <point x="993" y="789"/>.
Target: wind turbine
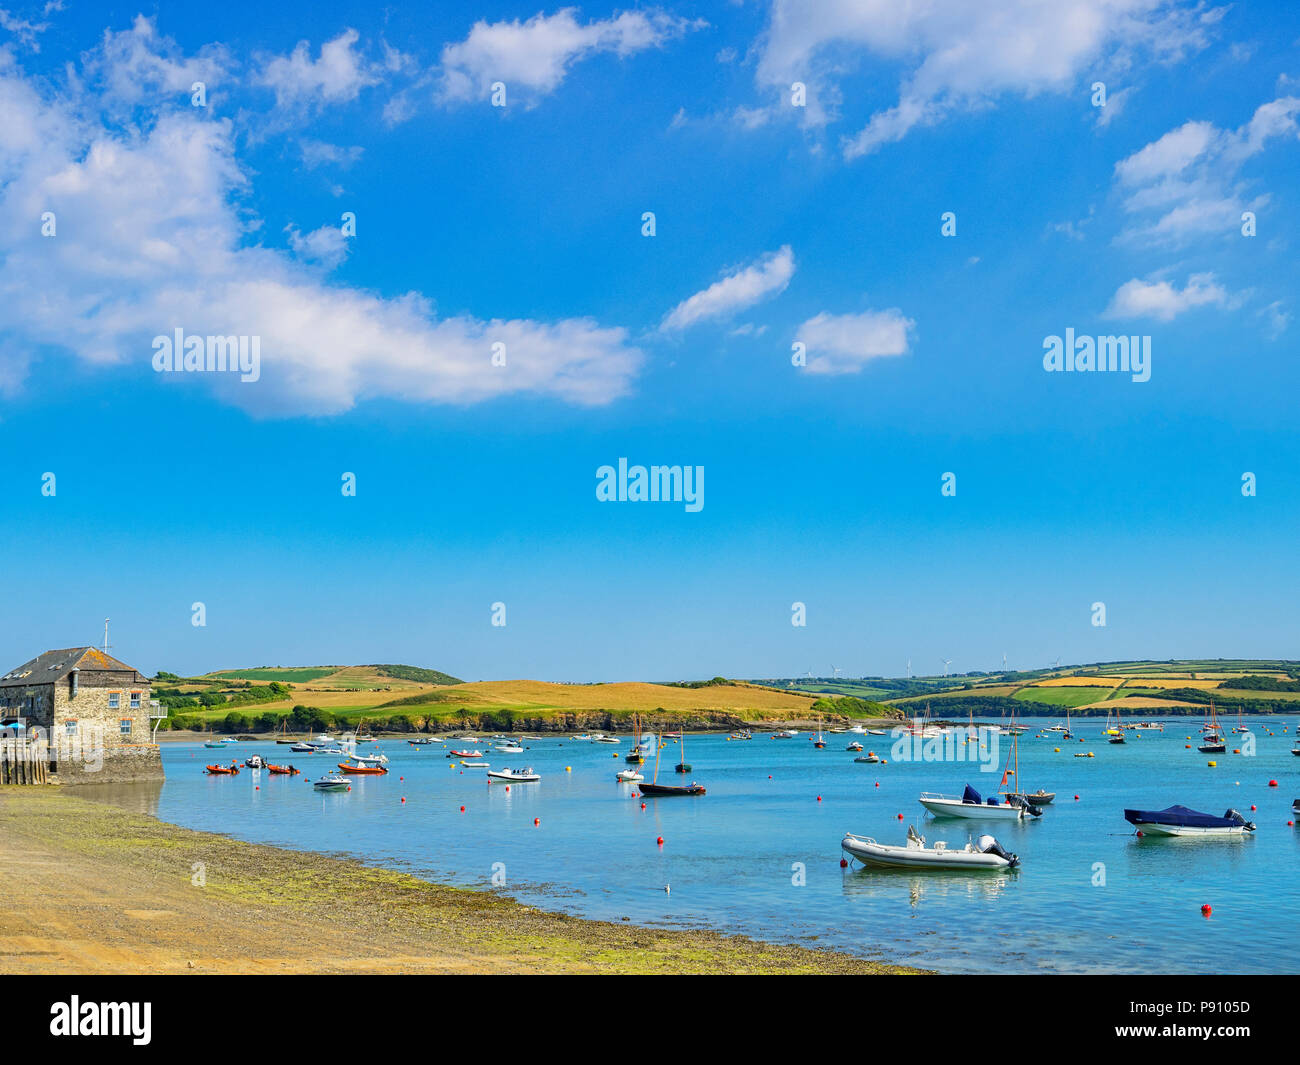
<point x="946" y="663"/>
<point x="1058" y="662"/>
<point x="835" y="673"/>
<point x="909" y="669"/>
<point x="1004" y="661"/>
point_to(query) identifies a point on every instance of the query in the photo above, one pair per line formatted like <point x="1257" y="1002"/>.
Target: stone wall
<point x="40" y="713"/>
<point x="117" y="764"/>
<point x="90" y="707"/>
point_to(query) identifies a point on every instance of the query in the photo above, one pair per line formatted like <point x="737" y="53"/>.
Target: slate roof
<point x="55" y="665"/>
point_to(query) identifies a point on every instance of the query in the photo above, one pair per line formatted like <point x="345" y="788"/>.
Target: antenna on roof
<point x="106" y="645"/>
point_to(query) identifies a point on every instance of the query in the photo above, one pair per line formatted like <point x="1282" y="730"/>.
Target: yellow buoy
<point x="568" y="769"/>
<point x="1211" y="764"/>
<point x="1057" y="750"/>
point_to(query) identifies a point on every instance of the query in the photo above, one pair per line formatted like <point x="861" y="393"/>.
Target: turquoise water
<point x="730" y="856"/>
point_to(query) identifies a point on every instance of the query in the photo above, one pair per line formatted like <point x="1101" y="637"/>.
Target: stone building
<point x="93" y="709"/>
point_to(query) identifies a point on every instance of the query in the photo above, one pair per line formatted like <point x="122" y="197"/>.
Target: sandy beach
<point x="92" y="888"/>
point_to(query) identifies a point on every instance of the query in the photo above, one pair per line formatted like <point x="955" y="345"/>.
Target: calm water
<point x="730" y="856"/>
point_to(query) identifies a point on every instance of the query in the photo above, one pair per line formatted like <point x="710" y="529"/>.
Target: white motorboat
<point x="630" y="776"/>
<point x="1181" y="821"/>
<point x="859" y="729"/>
<point x="332" y="781"/>
<point x="601" y="738"/>
<point x="509" y="748"/>
<point x="971" y="806"/>
<point x="985" y="853"/>
<point x="475" y="765"/>
<point x="378" y="758"/>
<point x="520" y="776"/>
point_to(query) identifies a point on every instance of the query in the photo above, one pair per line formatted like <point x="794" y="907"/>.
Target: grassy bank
<point x="91" y="888"/>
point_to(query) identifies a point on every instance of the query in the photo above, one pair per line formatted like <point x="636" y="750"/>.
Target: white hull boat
<point x="1181" y="821"/>
<point x="630" y="776"/>
<point x="986" y="853"/>
<point x="517" y="776"/>
<point x="951" y="806"/>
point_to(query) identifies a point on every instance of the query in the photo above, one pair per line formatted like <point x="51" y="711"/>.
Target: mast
<point x="659" y="746"/>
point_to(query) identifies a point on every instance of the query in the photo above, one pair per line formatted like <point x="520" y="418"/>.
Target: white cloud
<point x="956" y="54"/>
<point x="137" y="65"/>
<point x="533" y="57"/>
<point x="1115" y="104"/>
<point x="153" y="234"/>
<point x="337" y="75"/>
<point x="1187" y="182"/>
<point x="743" y="288"/>
<point x="24" y="30"/>
<point x="321" y="153"/>
<point x="845" y="343"/>
<point x="1163" y="301"/>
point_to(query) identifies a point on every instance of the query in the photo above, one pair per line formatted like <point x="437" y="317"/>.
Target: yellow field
<point x="1142" y="702"/>
<point x="1080" y="682"/>
<point x="537" y="694"/>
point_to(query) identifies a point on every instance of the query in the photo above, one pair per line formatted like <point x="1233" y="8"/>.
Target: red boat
<point x="468" y="754"/>
<point x="288" y="770"/>
<point x="372" y="770"/>
<point x="223" y="770"/>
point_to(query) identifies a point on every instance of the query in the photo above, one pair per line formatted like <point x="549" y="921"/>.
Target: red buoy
<point x="900" y="817"/>
<point x="660" y="841"/>
<point x="462" y="809"/>
<point x="1076" y="798"/>
<point x="536" y="821"/>
<point x="1272" y="783"/>
<point x="403" y="798"/>
<point x="844" y="863"/>
<point x="1252" y="806"/>
<point x="819" y="798"/>
<point x="1206" y="910"/>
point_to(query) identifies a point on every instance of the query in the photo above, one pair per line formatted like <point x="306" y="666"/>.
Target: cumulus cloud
<point x="1187" y="183"/>
<point x="153" y="231"/>
<point x="533" y="57"/>
<point x="336" y="75"/>
<point x="845" y="343"/>
<point x="1164" y="301"/>
<point x="743" y="288"/>
<point x="955" y="54"/>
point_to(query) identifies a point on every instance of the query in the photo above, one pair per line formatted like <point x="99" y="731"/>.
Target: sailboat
<point x="820" y="740"/>
<point x="653" y="787"/>
<point x="636" y="756"/>
<point x="284" y="732"/>
<point x="1116" y="734"/>
<point x="1038" y="798"/>
<point x="1212" y="741"/>
<point x="683" y="766"/>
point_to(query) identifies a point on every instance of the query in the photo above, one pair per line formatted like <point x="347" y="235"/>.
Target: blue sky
<point x="774" y="224"/>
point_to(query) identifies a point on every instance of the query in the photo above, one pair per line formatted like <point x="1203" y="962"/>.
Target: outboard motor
<point x="989" y="845"/>
<point x="1236" y="818"/>
<point x="915" y="837"/>
<point x="1017" y="800"/>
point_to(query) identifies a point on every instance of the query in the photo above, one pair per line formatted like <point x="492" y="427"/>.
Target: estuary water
<point x="760" y="853"/>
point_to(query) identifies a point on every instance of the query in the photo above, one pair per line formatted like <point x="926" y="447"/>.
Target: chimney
<point x="72" y="679"/>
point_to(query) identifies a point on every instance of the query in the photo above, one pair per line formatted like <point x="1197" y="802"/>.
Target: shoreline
<point x="93" y="888"/>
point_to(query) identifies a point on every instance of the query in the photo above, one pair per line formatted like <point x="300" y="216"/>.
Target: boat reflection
<point x="933" y="884"/>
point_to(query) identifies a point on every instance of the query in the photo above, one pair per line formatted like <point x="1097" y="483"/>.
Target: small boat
<point x="1296" y="749"/>
<point x="986" y="853"/>
<point x="1036" y="798"/>
<point x="509" y="748"/>
<point x="1212" y="741"/>
<point x="1181" y="821"/>
<point x="284" y="770"/>
<point x="520" y="776"/>
<point x="467" y="754"/>
<point x="854" y="746"/>
<point x="653" y="787"/>
<point x="424" y="742"/>
<point x="255" y="761"/>
<point x="223" y="770"/>
<point x="353" y="769"/>
<point x="475" y="765"/>
<point x="648" y="788"/>
<point x="583" y="736"/>
<point x="332" y="782"/>
<point x="743" y="734"/>
<point x="303" y="748"/>
<point x="867" y="759"/>
<point x="630" y="776"/>
<point x="636" y="756"/>
<point x="683" y="766"/>
<point x="214" y="743"/>
<point x="1295" y="806"/>
<point x="970" y="805"/>
<point x="876" y="732"/>
<point x="601" y="738"/>
<point x="370" y="759"/>
<point x="819" y="741"/>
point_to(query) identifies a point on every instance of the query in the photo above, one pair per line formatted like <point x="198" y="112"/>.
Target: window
<point x="70" y="728"/>
<point x="114" y="700"/>
<point x="135" y="700"/>
<point x="126" y="726"/>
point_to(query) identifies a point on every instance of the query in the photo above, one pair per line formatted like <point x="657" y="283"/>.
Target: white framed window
<point x="135" y="700"/>
<point x="114" y="700"/>
<point x="70" y="728"/>
<point x="126" y="726"/>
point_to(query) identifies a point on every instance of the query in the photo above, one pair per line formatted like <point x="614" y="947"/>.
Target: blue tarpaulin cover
<point x="1177" y="815"/>
<point x="971" y="795"/>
